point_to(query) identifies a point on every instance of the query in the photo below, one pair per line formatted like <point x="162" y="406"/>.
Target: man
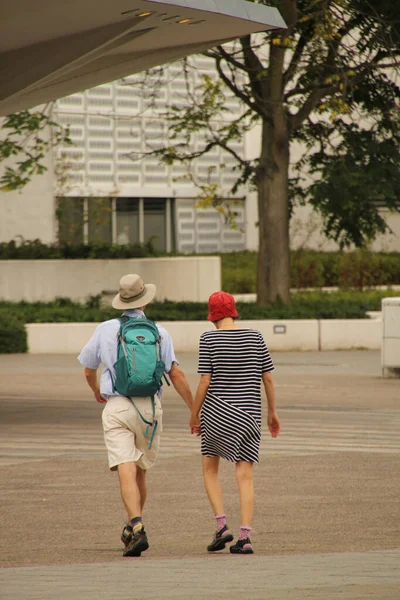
<point x="131" y="451"/>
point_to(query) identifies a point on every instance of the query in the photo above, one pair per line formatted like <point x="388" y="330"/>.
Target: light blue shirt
<point x="102" y="348"/>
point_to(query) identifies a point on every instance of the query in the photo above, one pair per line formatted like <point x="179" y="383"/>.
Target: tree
<point x="327" y="81"/>
<point x="24" y="137"/>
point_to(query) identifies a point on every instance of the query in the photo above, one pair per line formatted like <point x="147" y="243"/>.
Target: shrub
<point x="306" y="270"/>
<point x="354" y="270"/>
<point x="35" y="249"/>
<point x="304" y="305"/>
<point x="13" y="337"/>
<point x="239" y="272"/>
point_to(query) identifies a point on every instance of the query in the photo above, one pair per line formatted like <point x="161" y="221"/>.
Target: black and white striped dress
<point x="231" y="414"/>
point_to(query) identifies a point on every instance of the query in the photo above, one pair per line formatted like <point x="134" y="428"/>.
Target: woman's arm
<point x="273" y="420"/>
<point x="199" y="398"/>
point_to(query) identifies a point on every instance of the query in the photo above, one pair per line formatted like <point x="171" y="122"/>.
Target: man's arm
<point x="91" y="378"/>
<point x="204" y="384"/>
<point x="179" y="381"/>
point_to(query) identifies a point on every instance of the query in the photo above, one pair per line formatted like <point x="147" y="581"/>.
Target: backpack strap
<point x="121" y="320"/>
<point x="154" y="424"/>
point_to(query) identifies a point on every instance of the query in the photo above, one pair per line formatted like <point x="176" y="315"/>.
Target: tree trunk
<point x="273" y="271"/>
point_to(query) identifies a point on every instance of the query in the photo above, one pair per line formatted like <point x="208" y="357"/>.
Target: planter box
<point x="177" y="278"/>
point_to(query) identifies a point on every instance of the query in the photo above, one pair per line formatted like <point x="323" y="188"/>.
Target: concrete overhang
<point x="50" y="49"/>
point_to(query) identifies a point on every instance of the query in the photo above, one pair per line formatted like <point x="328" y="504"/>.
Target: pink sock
<point x="221" y="521"/>
<point x="244" y="532"/>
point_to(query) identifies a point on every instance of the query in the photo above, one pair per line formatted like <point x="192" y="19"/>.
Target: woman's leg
<point x="244" y="478"/>
<point x="214" y="492"/>
<point x="211" y="483"/>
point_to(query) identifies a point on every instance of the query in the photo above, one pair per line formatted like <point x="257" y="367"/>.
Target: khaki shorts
<point x="124" y="431"/>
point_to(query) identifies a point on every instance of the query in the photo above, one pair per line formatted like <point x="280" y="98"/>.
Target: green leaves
<point x="354" y="180"/>
<point x="304" y="305"/>
<point x="28" y="136"/>
<point x="13" y="336"/>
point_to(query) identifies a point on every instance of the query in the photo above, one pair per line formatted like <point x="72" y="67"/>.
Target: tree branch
<point x="258" y="76"/>
<point x="294" y="63"/>
<point x="228" y="57"/>
<point x="312" y="101"/>
<point x="238" y="92"/>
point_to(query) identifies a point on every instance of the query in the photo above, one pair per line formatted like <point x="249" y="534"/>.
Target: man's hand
<point x="195" y="424"/>
<point x="91" y="378"/>
<point x="273" y="424"/>
<point x="99" y="397"/>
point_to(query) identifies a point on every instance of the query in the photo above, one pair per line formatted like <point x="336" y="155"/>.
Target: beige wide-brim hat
<point x="133" y="293"/>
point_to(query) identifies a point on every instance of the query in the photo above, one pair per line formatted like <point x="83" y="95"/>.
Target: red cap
<point x="221" y="305"/>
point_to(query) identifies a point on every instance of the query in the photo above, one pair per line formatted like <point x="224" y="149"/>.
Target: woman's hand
<point x="199" y="398"/>
<point x="194" y="424"/>
<point x="273" y="424"/>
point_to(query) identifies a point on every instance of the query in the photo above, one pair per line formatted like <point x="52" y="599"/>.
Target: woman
<point x="232" y="363"/>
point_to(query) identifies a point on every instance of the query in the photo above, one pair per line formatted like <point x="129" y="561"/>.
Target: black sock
<point x="136" y="524"/>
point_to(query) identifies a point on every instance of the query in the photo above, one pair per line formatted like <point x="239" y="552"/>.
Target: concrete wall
<point x="343" y="334"/>
<point x="306" y="335"/>
<point x="180" y="278"/>
<point x="306" y="230"/>
<point x="30" y="214"/>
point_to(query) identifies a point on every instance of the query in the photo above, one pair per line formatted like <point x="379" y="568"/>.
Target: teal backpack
<point x="139" y="368"/>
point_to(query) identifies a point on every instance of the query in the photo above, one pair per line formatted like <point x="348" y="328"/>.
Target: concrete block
<point x="58" y="338"/>
<point x="64" y="338"/>
<point x="177" y="278"/>
<point x="286" y="335"/>
<point x="345" y="334"/>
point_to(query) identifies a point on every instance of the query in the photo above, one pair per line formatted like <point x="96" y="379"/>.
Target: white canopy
<point x="49" y="49"/>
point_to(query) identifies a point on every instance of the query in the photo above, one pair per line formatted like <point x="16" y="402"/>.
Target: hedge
<point x="13" y="337"/>
<point x="304" y="305"/>
<point x="310" y="269"/>
<point x="35" y="249"/>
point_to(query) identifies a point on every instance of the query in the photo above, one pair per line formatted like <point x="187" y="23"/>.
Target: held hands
<point x="274" y="425"/>
<point x="195" y="425"/>
<point x="99" y="397"/>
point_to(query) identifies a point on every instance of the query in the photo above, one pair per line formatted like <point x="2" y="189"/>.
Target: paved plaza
<point x="327" y="522"/>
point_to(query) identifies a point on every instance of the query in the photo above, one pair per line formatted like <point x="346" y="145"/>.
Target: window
<point x="127" y="221"/>
<point x="119" y="221"/>
<point x="99" y="220"/>
<point x="155" y="227"/>
<point x="70" y="220"/>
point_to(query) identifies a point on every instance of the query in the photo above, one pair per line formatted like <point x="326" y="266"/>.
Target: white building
<point x="93" y="190"/>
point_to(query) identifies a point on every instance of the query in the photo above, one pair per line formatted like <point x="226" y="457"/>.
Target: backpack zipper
<point x="133" y="359"/>
<point x="121" y="339"/>
<point x="126" y="353"/>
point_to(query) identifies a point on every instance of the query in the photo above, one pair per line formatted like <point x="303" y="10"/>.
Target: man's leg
<point x="141" y="484"/>
<point x="132" y="486"/>
<point x="130" y="491"/>
<point x="126" y="475"/>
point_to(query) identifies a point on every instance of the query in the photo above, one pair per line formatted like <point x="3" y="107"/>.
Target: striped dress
<point x="231" y="413"/>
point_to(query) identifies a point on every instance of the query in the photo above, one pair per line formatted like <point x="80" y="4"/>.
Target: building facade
<point x="103" y="187"/>
<point x="108" y="191"/>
